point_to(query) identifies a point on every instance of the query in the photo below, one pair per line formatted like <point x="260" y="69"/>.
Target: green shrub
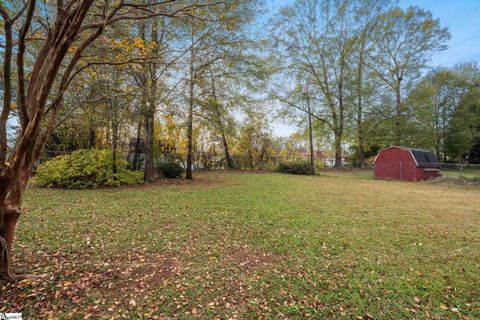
<point x="85" y="169"/>
<point x="320" y="165"/>
<point x="297" y="167"/>
<point x="126" y="177"/>
<point x="170" y="169"/>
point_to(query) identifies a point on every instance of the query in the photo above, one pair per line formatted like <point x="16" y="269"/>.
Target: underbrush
<point x="296" y="167"/>
<point x="85" y="169"/>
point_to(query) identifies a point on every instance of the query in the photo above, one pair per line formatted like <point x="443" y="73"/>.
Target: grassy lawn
<point x="468" y="173"/>
<point x="248" y="245"/>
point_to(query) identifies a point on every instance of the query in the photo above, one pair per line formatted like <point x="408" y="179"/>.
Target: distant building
<point x="328" y="158"/>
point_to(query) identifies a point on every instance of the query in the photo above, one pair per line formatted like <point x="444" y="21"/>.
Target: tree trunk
<point x="341" y="116"/>
<point x="398" y="115"/>
<point x="189" y="173"/>
<point x="150" y="98"/>
<point x="361" y="151"/>
<point x="7" y="90"/>
<point x="31" y="107"/>
<point x="444" y="133"/>
<point x="136" y="156"/>
<point x="11" y="210"/>
<point x="437" y="146"/>
<point x="114" y="126"/>
<point x="360" y="128"/>
<point x="228" y="157"/>
<point x="338" y="150"/>
<point x="10" y="215"/>
<point x="114" y="146"/>
<point x="114" y="105"/>
<point x="310" y="133"/>
<point x="149" y="170"/>
<point x="92" y="137"/>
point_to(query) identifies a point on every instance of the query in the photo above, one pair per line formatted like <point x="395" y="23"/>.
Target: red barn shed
<point x="399" y="163"/>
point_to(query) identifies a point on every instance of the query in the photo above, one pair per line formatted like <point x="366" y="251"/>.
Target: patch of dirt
<point x="203" y="178"/>
<point x="245" y="257"/>
<point x="63" y="279"/>
<point x="153" y="268"/>
<point x="137" y="274"/>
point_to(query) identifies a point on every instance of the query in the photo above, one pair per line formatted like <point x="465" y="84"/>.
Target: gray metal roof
<point x="424" y="158"/>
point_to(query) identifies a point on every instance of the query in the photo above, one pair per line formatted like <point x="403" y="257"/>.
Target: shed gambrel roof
<point x="423" y="158"/>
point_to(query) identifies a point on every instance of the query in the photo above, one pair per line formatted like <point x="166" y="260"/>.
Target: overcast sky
<point x="462" y="17"/>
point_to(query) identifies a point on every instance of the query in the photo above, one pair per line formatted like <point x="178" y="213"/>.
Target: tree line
<point x="360" y="69"/>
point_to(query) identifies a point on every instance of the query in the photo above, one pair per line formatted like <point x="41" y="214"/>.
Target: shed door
<point x="389" y="169"/>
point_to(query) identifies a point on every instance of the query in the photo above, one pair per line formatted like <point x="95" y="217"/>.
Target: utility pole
<point x="310" y="131"/>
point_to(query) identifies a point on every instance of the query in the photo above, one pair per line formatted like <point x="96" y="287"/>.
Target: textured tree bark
<point x="341" y="117"/>
<point x="444" y="134"/>
<point x="310" y="133"/>
<point x="11" y="210"/>
<point x="338" y="150"/>
<point x="361" y="149"/>
<point x="10" y="216"/>
<point x="398" y="115"/>
<point x="113" y="101"/>
<point x="189" y="172"/>
<point x="360" y="127"/>
<point x="150" y="97"/>
<point x="228" y="157"/>
<point x="149" y="172"/>
<point x="7" y="90"/>
<point x="92" y="137"/>
<point x="136" y="156"/>
<point x="114" y="146"/>
<point x="16" y="170"/>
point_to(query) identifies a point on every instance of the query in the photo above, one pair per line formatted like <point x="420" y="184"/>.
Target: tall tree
<point x="255" y="145"/>
<point x="316" y="39"/>
<point x="366" y="16"/>
<point x="463" y="130"/>
<point x="434" y="101"/>
<point x="214" y="46"/>
<point x="404" y="45"/>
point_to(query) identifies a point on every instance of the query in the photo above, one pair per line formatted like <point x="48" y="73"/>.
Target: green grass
<point x="247" y="245"/>
<point x="465" y="173"/>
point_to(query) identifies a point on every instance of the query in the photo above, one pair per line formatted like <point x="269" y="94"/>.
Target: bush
<point x="126" y="177"/>
<point x="170" y="169"/>
<point x="85" y="169"/>
<point x="298" y="167"/>
<point x="320" y="165"/>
